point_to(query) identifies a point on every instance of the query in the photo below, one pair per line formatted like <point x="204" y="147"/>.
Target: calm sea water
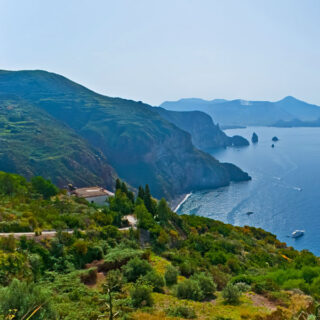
<point x="284" y="194"/>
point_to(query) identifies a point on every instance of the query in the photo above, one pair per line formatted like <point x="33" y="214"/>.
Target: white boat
<point x="297" y="233"/>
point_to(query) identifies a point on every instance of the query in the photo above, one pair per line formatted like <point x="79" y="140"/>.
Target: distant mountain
<point x="204" y="133"/>
<point x="248" y="113"/>
<point x="129" y="136"/>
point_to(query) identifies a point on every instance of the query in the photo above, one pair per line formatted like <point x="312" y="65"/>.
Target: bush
<point x="24" y="299"/>
<point x="243" y="287"/>
<point x="136" y="268"/>
<point x="189" y="289"/>
<point x="207" y="286"/>
<point x="181" y="312"/>
<point x="141" y="295"/>
<point x="44" y="187"/>
<point x="171" y="275"/>
<point x="231" y="293"/>
<point x="216" y="257"/>
<point x="155" y="280"/>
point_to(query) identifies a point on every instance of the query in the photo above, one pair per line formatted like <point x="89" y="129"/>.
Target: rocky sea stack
<point x="254" y="138"/>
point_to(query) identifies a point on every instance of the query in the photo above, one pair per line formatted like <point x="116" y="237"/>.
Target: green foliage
<point x="212" y="255"/>
<point x="25" y="299"/>
<point x="44" y="187"/>
<point x="171" y="275"/>
<point x="189" y="289"/>
<point x="135" y="268"/>
<point x="141" y="295"/>
<point x="145" y="219"/>
<point x="205" y="281"/>
<point x="181" y="312"/>
<point x="231" y="293"/>
<point x="155" y="280"/>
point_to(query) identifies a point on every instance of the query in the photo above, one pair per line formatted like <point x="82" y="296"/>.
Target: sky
<point x="157" y="50"/>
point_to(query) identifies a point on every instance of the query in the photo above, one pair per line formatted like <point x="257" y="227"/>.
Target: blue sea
<point x="284" y="194"/>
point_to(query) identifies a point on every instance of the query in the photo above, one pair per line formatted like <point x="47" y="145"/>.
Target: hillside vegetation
<point x="130" y="136"/>
<point x="168" y="267"/>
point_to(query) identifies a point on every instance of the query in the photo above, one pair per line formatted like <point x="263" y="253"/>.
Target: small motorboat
<point x="249" y="213"/>
<point x="297" y="233"/>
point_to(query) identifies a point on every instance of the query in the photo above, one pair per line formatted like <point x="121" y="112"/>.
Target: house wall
<point x="101" y="200"/>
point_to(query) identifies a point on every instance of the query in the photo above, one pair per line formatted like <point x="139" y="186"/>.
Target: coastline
<point x="184" y="199"/>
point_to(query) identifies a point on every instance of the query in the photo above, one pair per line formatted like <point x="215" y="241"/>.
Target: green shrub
<point x="243" y="287"/>
<point x="207" y="286"/>
<point x="171" y="275"/>
<point x="155" y="280"/>
<point x="181" y="312"/>
<point x="216" y="257"/>
<point x="189" y="289"/>
<point x="44" y="187"/>
<point x="141" y="295"/>
<point x="25" y="298"/>
<point x="135" y="268"/>
<point x="231" y="294"/>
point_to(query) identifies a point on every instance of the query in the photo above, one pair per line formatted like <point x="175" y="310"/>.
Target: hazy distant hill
<point x="246" y="113"/>
<point x="134" y="139"/>
<point x="204" y="133"/>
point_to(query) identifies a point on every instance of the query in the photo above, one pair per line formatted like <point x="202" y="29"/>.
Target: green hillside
<point x="136" y="140"/>
<point x="34" y="143"/>
<point x="165" y="267"/>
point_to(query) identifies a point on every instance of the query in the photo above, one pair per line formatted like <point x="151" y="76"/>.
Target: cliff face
<point x="141" y="145"/>
<point x="204" y="133"/>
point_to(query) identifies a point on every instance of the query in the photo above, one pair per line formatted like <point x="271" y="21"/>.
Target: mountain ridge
<point x="137" y="142"/>
<point x="240" y="112"/>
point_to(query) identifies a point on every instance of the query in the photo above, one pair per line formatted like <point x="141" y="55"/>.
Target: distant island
<point x="296" y="123"/>
<point x="242" y="113"/>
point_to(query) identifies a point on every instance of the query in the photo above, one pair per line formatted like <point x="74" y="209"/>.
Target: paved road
<point x="52" y="233"/>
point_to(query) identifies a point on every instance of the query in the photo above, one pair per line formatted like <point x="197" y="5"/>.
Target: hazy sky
<point x="166" y="50"/>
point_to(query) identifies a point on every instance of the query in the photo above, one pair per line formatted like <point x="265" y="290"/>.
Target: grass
<point x="204" y="310"/>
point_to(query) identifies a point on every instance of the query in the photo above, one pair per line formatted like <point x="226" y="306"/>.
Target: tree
<point x="163" y="211"/>
<point x="141" y="192"/>
<point x="149" y="203"/>
<point x="44" y="187"/>
<point x="118" y="184"/>
<point x="113" y="284"/>
<point x="145" y="219"/>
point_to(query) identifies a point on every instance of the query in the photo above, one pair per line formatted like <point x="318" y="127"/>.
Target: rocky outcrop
<point x="254" y="138"/>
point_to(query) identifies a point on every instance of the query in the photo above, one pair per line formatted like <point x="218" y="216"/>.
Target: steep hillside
<point x="165" y="266"/>
<point x="137" y="141"/>
<point x="34" y="143"/>
<point x="204" y="133"/>
<point x="246" y="113"/>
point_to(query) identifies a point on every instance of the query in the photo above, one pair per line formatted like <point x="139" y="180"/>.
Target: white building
<point x="96" y="195"/>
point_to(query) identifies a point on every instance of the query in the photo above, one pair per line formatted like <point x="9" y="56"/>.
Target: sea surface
<point x="284" y="194"/>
